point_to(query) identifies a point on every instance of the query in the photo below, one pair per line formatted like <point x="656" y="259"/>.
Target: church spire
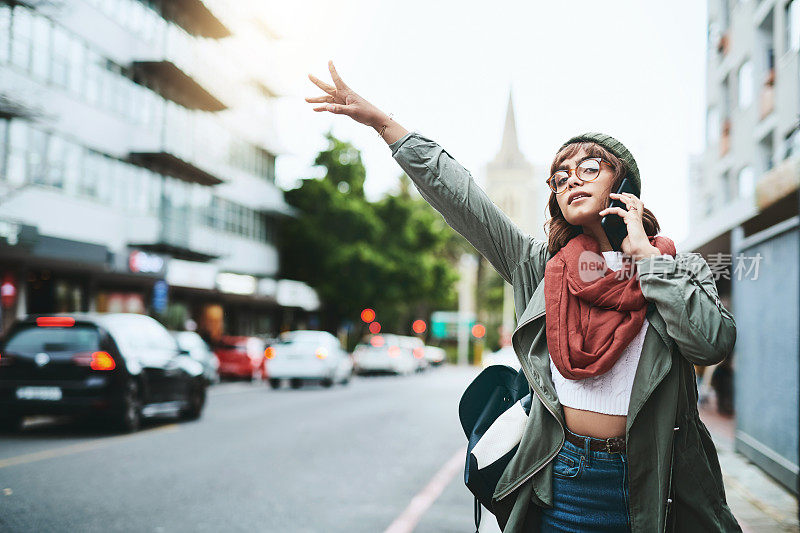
<point x="510" y="144"/>
<point x="509" y="153"/>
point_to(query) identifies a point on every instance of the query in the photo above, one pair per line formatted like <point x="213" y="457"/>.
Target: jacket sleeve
<point x="685" y="294"/>
<point x="453" y="192"/>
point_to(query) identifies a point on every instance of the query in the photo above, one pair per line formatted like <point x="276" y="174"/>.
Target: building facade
<point x="518" y="188"/>
<point x="744" y="215"/>
<point x="137" y="162"/>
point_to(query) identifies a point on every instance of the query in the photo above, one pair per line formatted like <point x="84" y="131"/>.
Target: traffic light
<point x="419" y="326"/>
<point x="478" y="331"/>
<point x="367" y="315"/>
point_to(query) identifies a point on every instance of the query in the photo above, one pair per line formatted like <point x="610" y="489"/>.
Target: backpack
<point x="493" y="411"/>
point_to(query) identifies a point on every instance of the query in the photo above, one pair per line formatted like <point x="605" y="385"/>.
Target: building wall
<point x="766" y="355"/>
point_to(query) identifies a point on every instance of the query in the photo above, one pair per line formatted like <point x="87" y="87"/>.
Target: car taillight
<point x="394" y="351"/>
<point x="6" y="360"/>
<point x="418" y="353"/>
<point x="55" y="321"/>
<point x="321" y="353"/>
<point x="95" y="360"/>
<point x="269" y="353"/>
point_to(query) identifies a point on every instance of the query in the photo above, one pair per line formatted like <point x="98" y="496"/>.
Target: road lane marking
<point x="78" y="447"/>
<point x="408" y="519"/>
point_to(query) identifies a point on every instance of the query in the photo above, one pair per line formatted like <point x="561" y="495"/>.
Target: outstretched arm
<point x="441" y="180"/>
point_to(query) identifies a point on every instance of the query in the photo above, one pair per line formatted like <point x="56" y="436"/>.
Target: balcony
<point x="195" y="18"/>
<point x="176" y="71"/>
<point x="778" y="183"/>
<point x="174" y="84"/>
<point x="185" y="145"/>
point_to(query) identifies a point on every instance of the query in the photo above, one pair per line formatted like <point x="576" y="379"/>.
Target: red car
<point x="241" y="358"/>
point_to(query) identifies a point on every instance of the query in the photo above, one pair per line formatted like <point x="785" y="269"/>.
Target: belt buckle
<point x="612" y="444"/>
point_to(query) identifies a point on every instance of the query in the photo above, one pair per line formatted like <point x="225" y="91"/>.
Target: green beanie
<point x="615" y="147"/>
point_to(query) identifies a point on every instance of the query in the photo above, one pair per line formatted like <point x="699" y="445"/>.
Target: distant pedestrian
<point x="607" y="339"/>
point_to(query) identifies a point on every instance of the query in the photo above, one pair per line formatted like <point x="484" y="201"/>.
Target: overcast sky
<point x="632" y="69"/>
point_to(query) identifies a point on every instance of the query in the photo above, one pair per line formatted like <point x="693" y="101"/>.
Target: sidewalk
<point x="758" y="502"/>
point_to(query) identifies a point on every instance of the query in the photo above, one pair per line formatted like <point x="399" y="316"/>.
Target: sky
<point x="632" y="69"/>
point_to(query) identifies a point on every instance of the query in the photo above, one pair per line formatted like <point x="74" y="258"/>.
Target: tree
<point x="394" y="255"/>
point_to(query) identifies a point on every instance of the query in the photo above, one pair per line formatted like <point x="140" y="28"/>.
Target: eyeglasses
<point x="587" y="170"/>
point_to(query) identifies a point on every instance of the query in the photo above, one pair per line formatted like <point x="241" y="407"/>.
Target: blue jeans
<point x="590" y="491"/>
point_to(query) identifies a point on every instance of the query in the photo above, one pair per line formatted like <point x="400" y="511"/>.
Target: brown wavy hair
<point x="558" y="230"/>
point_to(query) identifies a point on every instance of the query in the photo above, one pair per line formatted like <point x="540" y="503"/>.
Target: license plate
<point x="39" y="393"/>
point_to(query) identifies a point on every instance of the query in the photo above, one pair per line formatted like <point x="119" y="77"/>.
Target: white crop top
<point x="608" y="393"/>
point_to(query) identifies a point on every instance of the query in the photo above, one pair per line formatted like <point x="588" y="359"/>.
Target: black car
<point x="118" y="367"/>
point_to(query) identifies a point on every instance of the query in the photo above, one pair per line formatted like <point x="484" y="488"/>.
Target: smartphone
<point x="613" y="225"/>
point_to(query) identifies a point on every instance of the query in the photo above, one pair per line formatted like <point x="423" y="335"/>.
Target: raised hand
<point x="343" y="100"/>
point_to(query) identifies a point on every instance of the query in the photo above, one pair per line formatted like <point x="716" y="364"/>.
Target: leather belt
<point x="610" y="445"/>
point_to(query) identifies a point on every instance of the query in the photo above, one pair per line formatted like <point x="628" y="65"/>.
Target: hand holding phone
<point x="613" y="225"/>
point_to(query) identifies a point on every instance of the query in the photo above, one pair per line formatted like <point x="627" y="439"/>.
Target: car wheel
<point x="197" y="400"/>
<point x="274" y="383"/>
<point x="130" y="418"/>
<point x="11" y="423"/>
<point x="296" y="383"/>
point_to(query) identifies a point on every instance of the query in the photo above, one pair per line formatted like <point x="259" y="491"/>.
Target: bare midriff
<point x="597" y="425"/>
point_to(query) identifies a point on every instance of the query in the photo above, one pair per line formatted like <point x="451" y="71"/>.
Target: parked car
<point x="118" y="367"/>
<point x="241" y="358"/>
<point x="308" y="355"/>
<point x="382" y="353"/>
<point x="504" y="356"/>
<point x="435" y="355"/>
<point x="416" y="346"/>
<point x="200" y="351"/>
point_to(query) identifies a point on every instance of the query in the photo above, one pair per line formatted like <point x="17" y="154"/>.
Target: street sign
<point x="444" y="324"/>
<point x="160" y="291"/>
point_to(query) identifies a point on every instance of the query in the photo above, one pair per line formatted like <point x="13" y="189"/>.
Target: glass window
<point x="73" y="169"/>
<point x="5" y="33"/>
<point x="21" y="38"/>
<point x="77" y="59"/>
<point x="37" y="155"/>
<point x="3" y="146"/>
<point x="91" y="173"/>
<point x="93" y="77"/>
<point x="56" y="153"/>
<point x="41" y="47"/>
<point x="745" y="84"/>
<point x="793" y="25"/>
<point x="746" y="181"/>
<point x="62" y="45"/>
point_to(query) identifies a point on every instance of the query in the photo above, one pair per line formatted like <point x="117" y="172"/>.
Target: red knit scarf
<point x="593" y="312"/>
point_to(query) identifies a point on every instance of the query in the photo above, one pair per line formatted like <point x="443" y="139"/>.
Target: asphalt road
<point x="382" y="451"/>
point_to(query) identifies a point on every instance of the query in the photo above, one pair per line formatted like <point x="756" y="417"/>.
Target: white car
<point x="435" y="355"/>
<point x="307" y="355"/>
<point x="383" y="353"/>
<point x="416" y="346"/>
<point x="503" y="356"/>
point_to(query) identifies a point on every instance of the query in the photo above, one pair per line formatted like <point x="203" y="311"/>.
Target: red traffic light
<point x="478" y="331"/>
<point x="374" y="327"/>
<point x="419" y="326"/>
<point x="367" y="315"/>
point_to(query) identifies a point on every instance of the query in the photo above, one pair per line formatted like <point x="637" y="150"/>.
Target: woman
<point x="606" y="339"/>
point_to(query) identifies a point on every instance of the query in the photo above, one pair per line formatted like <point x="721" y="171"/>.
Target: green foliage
<point x="394" y="255"/>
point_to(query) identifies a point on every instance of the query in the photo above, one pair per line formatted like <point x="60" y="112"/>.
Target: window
<point x="41" y="48"/>
<point x="5" y="33"/>
<point x="745" y="76"/>
<point x="792" y="17"/>
<point x="712" y="125"/>
<point x="21" y="38"/>
<point x="55" y="162"/>
<point x="746" y="182"/>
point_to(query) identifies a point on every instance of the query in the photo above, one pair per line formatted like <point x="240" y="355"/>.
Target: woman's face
<point x="584" y="211"/>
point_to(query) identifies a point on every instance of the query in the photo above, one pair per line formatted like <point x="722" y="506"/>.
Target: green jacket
<point x="673" y="466"/>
